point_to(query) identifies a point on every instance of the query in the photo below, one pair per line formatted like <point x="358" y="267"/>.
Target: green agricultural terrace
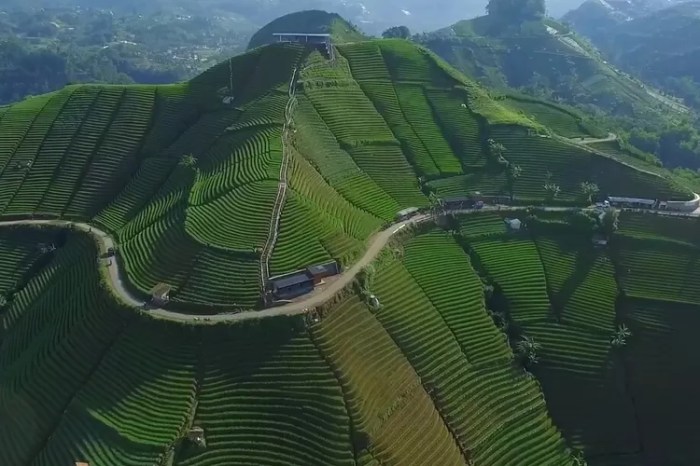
<point x="282" y="158"/>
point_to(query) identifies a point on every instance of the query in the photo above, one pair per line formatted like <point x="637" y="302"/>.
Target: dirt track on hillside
<point x="376" y="244"/>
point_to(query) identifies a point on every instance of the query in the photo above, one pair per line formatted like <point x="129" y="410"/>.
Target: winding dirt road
<point x="376" y="244"/>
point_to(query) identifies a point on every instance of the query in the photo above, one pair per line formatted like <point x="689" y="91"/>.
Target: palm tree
<point x="620" y="337"/>
<point x="589" y="190"/>
<point x="526" y="350"/>
<point x="188" y="160"/>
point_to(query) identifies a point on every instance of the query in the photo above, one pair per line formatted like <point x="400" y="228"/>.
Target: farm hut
<point x="456" y="203"/>
<point x="321" y="271"/>
<point x="405" y="214"/>
<point x="632" y="202"/>
<point x="600" y="241"/>
<point x="160" y="294"/>
<point x="196" y="435"/>
<point x="513" y="224"/>
<point x="81" y="463"/>
<point x="292" y="285"/>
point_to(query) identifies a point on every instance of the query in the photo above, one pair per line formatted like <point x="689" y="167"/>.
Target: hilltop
<point x="309" y="22"/>
<point x="282" y="158"/>
<point x="186" y="176"/>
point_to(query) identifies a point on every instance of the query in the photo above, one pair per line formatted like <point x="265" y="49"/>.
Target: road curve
<point x="377" y="243"/>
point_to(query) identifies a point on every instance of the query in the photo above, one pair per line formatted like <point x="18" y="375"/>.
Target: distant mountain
<point x="662" y="46"/>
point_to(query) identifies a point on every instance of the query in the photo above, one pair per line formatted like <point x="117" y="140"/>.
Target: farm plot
<point x="102" y="177"/>
<point x="569" y="166"/>
<point x="662" y="373"/>
<point x="388" y="167"/>
<point x="15" y="124"/>
<point x="459" y="126"/>
<point x="484" y="182"/>
<point x="86" y="142"/>
<point x="491" y="409"/>
<point x="581" y="282"/>
<point x="477" y="225"/>
<point x="562" y="122"/>
<point x="19" y="252"/>
<point x="238" y="220"/>
<point x="514" y="264"/>
<point x="384" y="97"/>
<point x="53" y="149"/>
<point x="280" y="404"/>
<point x="27" y="151"/>
<point x="656" y="227"/>
<point x="366" y="61"/>
<point x="445" y="275"/>
<point x="349" y="114"/>
<point x="147" y="404"/>
<point x="60" y="315"/>
<point x="408" y="63"/>
<point x="318" y="145"/>
<point x="361" y="352"/>
<point x="578" y="369"/>
<point x="658" y="269"/>
<point x="419" y="114"/>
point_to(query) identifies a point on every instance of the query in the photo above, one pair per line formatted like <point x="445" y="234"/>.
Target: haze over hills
<point x="661" y="46"/>
<point x="470" y="339"/>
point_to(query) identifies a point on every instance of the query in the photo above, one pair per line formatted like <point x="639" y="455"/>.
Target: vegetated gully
<point x="117" y="278"/>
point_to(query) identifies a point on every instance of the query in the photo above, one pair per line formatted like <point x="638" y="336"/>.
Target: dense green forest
<point x="42" y="51"/>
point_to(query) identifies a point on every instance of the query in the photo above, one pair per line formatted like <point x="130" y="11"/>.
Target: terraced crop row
<point x="16" y="122"/>
<point x="663" y="376"/>
<point x="268" y="397"/>
<point x="361" y="353"/>
<point x="474" y="226"/>
<point x="496" y="411"/>
<point x="384" y="97"/>
<point x="445" y="275"/>
<point x="569" y="166"/>
<point x="18" y="252"/>
<point x="655" y="227"/>
<point x="563" y="123"/>
<point x="514" y="264"/>
<point x="577" y="370"/>
<point x="658" y="269"/>
<point x="484" y="182"/>
<point x="388" y="167"/>
<point x="59" y="316"/>
<point x="26" y="153"/>
<point x="459" y="125"/>
<point x="349" y="114"/>
<point x="337" y="167"/>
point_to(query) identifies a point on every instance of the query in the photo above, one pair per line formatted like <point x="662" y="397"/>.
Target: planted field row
<point x="658" y="269"/>
<point x="474" y="226"/>
<point x="497" y="413"/>
<point x="349" y="114"/>
<point x="27" y="151"/>
<point x="59" y="316"/>
<point x="545" y="160"/>
<point x="562" y="122"/>
<point x="337" y="167"/>
<point x="384" y="97"/>
<point x="655" y="227"/>
<point x="514" y="264"/>
<point x="18" y="252"/>
<point x="385" y="408"/>
<point x="486" y="183"/>
<point x="444" y="273"/>
<point x="459" y="125"/>
<point x="366" y="62"/>
<point x="15" y="124"/>
<point x="388" y="167"/>
<point x="278" y="404"/>
<point x="581" y="282"/>
<point x="663" y="376"/>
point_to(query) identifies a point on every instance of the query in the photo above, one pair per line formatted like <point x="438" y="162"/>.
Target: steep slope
<point x="309" y="22"/>
<point x="661" y="47"/>
<point x="279" y="159"/>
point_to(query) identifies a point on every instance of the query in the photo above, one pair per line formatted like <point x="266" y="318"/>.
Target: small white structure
<point x="514" y="224"/>
<point x="160" y="294"/>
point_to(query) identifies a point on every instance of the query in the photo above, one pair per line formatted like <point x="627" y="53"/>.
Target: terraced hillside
<point x="187" y="177"/>
<point x="423" y="375"/>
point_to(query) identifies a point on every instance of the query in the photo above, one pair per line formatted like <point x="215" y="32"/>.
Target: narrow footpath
<point x="376" y="244"/>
